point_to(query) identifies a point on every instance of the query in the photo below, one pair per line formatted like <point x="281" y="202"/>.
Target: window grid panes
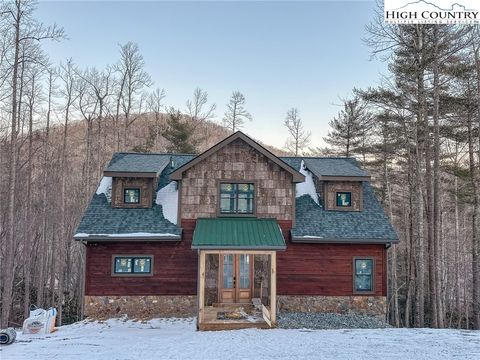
<point x="236" y="198"/>
<point x="131" y="196"/>
<point x="363" y="275"/>
<point x="344" y="199"/>
<point x="133" y="265"/>
<point x="228" y="271"/>
<point x="244" y="271"/>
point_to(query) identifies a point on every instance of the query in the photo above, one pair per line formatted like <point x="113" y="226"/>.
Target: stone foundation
<point x="140" y="307"/>
<point x="365" y="305"/>
<point x="149" y="307"/>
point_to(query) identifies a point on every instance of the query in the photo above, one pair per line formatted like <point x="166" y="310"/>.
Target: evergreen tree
<point x="236" y="114"/>
<point x="180" y="134"/>
<point x="348" y="128"/>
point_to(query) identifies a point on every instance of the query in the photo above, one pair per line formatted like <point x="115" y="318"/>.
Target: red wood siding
<point x="174" y="268"/>
<point x="325" y="269"/>
<point x="303" y="269"/>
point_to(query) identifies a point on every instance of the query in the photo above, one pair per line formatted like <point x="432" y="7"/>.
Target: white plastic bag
<point x="40" y="321"/>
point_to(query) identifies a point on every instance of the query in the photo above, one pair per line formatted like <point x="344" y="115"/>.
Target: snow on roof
<point x="308" y="186"/>
<point x="126" y="235"/>
<point x="167" y="197"/>
<point x="105" y="185"/>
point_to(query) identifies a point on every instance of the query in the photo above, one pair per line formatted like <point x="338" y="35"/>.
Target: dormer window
<point x="236" y="198"/>
<point x="344" y="199"/>
<point x="131" y="196"/>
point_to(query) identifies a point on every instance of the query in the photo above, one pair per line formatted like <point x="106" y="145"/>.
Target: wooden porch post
<point x="201" y="289"/>
<point x="273" y="288"/>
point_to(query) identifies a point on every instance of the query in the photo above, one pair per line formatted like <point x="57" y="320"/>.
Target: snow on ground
<point x="177" y="339"/>
<point x="168" y="198"/>
<point x="308" y="186"/>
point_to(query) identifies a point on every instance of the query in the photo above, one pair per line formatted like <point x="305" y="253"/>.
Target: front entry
<point x="236" y="278"/>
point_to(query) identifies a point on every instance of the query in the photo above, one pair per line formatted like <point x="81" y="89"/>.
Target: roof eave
<point x="131" y="174"/>
<point x="344" y="178"/>
<point x="215" y="247"/>
<point x="127" y="238"/>
<point x="319" y="240"/>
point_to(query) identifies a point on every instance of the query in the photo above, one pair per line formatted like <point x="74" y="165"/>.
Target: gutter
<point x="229" y="247"/>
<point x="319" y="239"/>
<point x="127" y="238"/>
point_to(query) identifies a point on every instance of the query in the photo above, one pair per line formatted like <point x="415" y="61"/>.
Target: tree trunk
<point x="8" y="266"/>
<point x="435" y="222"/>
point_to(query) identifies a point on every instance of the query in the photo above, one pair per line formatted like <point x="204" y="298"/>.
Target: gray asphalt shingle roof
<point x="334" y="167"/>
<point x="314" y="223"/>
<point x="101" y="219"/>
<point x="321" y="166"/>
<point x="133" y="162"/>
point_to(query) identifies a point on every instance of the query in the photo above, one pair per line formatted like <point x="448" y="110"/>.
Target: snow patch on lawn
<point x="168" y="198"/>
<point x="178" y="339"/>
<point x="308" y="186"/>
<point x="105" y="185"/>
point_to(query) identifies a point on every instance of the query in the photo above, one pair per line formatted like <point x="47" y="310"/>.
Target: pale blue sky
<point x="279" y="54"/>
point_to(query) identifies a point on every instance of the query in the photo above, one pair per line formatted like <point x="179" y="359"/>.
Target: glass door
<point x="236" y="278"/>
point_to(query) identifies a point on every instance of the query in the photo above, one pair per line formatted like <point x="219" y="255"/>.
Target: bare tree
<point x="155" y="105"/>
<point x="236" y="114"/>
<point x="198" y="108"/>
<point x="24" y="28"/>
<point x="299" y="138"/>
<point x="132" y="80"/>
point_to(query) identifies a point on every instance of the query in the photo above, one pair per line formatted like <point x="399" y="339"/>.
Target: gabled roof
<point x="238" y="234"/>
<point x="332" y="168"/>
<point x="297" y="177"/>
<point x="142" y="165"/>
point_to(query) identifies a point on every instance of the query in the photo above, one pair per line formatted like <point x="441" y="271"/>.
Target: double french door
<point x="236" y="278"/>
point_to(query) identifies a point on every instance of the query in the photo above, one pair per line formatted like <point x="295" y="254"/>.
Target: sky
<point x="280" y="55"/>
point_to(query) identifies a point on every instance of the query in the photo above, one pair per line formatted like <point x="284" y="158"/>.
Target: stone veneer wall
<point x="365" y="305"/>
<point x="140" y="307"/>
<point x="274" y="191"/>
<point x="148" y="307"/>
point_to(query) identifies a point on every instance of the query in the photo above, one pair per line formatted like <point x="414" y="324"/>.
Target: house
<point x="233" y="236"/>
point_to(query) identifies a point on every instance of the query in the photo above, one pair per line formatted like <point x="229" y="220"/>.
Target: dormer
<point x="338" y="182"/>
<point x="134" y="178"/>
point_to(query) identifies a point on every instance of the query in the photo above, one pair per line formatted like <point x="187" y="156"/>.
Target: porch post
<point x="273" y="287"/>
<point x="201" y="288"/>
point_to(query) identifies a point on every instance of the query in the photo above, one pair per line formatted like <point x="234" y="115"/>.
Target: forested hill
<point x="58" y="170"/>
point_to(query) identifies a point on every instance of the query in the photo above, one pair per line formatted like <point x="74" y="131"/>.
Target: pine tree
<point x="348" y="127"/>
<point x="180" y="134"/>
<point x="236" y="114"/>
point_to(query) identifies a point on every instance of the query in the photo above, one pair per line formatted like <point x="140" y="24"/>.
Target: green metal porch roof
<point x="238" y="234"/>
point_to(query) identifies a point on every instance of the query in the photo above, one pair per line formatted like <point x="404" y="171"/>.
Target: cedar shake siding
<point x="332" y="187"/>
<point x="144" y="184"/>
<point x="237" y="161"/>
